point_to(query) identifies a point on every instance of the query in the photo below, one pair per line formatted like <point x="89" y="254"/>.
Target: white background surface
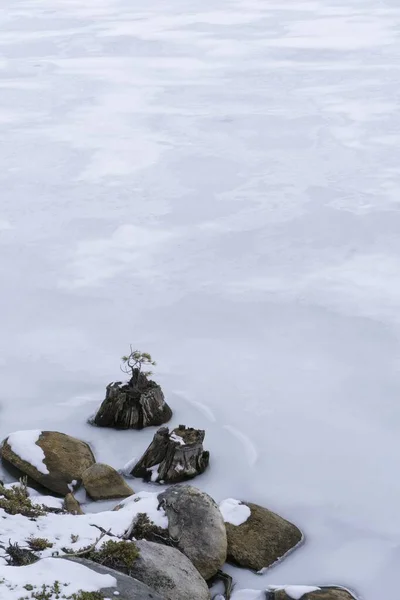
<point x="216" y="183"/>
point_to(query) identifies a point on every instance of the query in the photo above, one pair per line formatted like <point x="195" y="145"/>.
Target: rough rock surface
<point x="261" y="540"/>
<point x="169" y="572"/>
<point x="65" y="457"/>
<point x="128" y="587"/>
<point x="133" y="405"/>
<point x="195" y="520"/>
<point x="325" y="593"/>
<point x="72" y="505"/>
<point x="173" y="457"/>
<point x="102" y="482"/>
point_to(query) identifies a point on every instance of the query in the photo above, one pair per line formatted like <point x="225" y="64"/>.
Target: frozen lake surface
<point x="217" y="183"/>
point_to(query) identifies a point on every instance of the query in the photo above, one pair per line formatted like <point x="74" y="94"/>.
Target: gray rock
<point x="128" y="587"/>
<point x="195" y="520"/>
<point x="169" y="572"/>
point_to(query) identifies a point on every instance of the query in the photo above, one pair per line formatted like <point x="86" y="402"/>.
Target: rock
<point x="102" y="482"/>
<point x="72" y="505"/>
<point x="54" y="460"/>
<point x="194" y="519"/>
<point x="128" y="588"/>
<point x="173" y="457"/>
<point x="323" y="593"/>
<point x="262" y="539"/>
<point x="169" y="572"/>
<point x="133" y="405"/>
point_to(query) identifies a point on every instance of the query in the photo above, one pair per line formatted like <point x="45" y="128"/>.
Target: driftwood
<point x="136" y="404"/>
<point x="173" y="457"/>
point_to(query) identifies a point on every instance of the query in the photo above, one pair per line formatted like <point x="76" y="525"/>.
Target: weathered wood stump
<point x="173" y="457"/>
<point x="135" y="404"/>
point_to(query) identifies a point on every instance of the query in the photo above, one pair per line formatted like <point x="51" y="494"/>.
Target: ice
<point x="219" y="186"/>
<point x="234" y="511"/>
<point x="23" y="444"/>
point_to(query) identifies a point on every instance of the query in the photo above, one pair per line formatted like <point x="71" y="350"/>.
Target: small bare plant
<point x="134" y="363"/>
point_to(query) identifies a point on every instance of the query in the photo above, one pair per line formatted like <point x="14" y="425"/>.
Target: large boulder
<point x="134" y="404"/>
<point x="302" y="592"/>
<point x="196" y="523"/>
<point x="102" y="482"/>
<point x="257" y="537"/>
<point x="54" y="460"/>
<point x="127" y="587"/>
<point x="169" y="572"/>
<point x="173" y="457"/>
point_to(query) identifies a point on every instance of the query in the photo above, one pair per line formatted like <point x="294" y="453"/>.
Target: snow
<point x="23" y="444"/>
<point x="296" y="592"/>
<point x="177" y="438"/>
<point x="46" y="572"/>
<point x="128" y="467"/>
<point x="233" y="511"/>
<point x="58" y="528"/>
<point x="154" y="472"/>
<point x="219" y="186"/>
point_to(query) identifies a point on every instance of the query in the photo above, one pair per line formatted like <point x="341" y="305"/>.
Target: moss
<point x="116" y="555"/>
<point x="87" y="596"/>
<point x="39" y="544"/>
<point x="144" y="529"/>
<point x="16" y="501"/>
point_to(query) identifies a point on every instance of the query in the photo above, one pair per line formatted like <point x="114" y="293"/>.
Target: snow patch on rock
<point x="234" y="511"/>
<point x="23" y="444"/>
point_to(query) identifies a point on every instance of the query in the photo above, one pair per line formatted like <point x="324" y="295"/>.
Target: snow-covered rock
<point x="53" y="459"/>
<point x="257" y="537"/>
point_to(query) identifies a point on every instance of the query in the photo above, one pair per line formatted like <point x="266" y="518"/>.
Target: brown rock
<point x="102" y="482"/>
<point x="65" y="458"/>
<point x="72" y="505"/>
<point x="261" y="540"/>
<point x="326" y="593"/>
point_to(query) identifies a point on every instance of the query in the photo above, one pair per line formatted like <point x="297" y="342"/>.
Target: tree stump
<point x="135" y="404"/>
<point x="173" y="457"/>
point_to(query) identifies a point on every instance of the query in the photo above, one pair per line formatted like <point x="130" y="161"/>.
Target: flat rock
<point x="102" y="482"/>
<point x="195" y="520"/>
<point x="128" y="588"/>
<point x="169" y="572"/>
<point x="262" y="539"/>
<point x="58" y="460"/>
